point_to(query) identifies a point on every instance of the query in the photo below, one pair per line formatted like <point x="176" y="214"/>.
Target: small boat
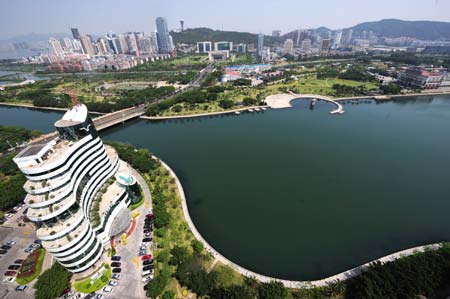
<point x="237" y="112"/>
<point x="250" y="110"/>
<point x="264" y="108"/>
<point x="257" y="109"/>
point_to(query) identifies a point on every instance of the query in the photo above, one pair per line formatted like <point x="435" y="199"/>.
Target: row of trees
<point x="191" y="97"/>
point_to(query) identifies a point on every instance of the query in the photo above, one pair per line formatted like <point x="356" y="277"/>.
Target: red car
<point x="146" y="257"/>
<point x="10" y="273"/>
<point x="149" y="216"/>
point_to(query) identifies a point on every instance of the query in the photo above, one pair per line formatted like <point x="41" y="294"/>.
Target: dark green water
<point x="302" y="194"/>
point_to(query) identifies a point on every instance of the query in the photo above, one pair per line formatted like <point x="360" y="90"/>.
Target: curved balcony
<point x="56" y="246"/>
<point x="42" y="214"/>
<point x="61" y="227"/>
<point x="42" y="200"/>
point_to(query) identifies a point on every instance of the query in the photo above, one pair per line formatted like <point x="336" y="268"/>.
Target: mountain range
<point x="424" y="30"/>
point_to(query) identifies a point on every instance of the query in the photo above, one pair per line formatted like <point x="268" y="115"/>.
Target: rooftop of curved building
<point x="76" y="115"/>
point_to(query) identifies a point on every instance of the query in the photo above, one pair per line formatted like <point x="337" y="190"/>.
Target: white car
<point x="116" y="276"/>
<point x="113" y="283"/>
<point x="11" y="243"/>
<point x="9" y="279"/>
<point x="107" y="289"/>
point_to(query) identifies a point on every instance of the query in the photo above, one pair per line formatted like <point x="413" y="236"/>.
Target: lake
<point x="301" y="194"/>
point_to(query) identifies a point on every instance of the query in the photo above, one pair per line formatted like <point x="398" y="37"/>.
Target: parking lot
<point x="22" y="237"/>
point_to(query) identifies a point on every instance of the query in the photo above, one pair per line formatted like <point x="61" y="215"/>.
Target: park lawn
<point x="28" y="279"/>
<point x="196" y="109"/>
<point x="85" y="285"/>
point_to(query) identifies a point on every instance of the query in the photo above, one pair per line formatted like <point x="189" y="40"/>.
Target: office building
<point x="132" y="44"/>
<point x="102" y="47"/>
<point x="337" y="39"/>
<point x="165" y="43"/>
<point x="218" y="55"/>
<point x="112" y="41"/>
<point x="348" y="35"/>
<point x="78" y="192"/>
<point x="75" y="33"/>
<point x="288" y="47"/>
<point x="241" y="48"/>
<point x="223" y="46"/>
<point x="67" y="43"/>
<point x="417" y="77"/>
<point x="260" y="45"/>
<point x="276" y="33"/>
<point x="325" y="45"/>
<point x="56" y="48"/>
<point x="306" y="45"/>
<point x="204" y="47"/>
<point x="122" y="45"/>
<point x="87" y="45"/>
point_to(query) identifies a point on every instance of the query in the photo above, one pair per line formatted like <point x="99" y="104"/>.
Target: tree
<point x="179" y="255"/>
<point x="391" y="88"/>
<point x="233" y="292"/>
<point x="226" y="104"/>
<point x="168" y="295"/>
<point x="156" y="286"/>
<point x="177" y="108"/>
<point x="197" y="246"/>
<point x="52" y="283"/>
<point x="272" y="290"/>
<point x="248" y="101"/>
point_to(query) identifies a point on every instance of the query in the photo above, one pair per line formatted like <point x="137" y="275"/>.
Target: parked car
<point x="115" y="264"/>
<point x="98" y="296"/>
<point x="10" y="273"/>
<point x="146" y="257"/>
<point x="149" y="216"/>
<point x="9" y="279"/>
<point x="146" y="231"/>
<point x="29" y="250"/>
<point x="147" y="268"/>
<point x="147" y="262"/>
<point x="107" y="289"/>
<point x="18" y="261"/>
<point x="143" y="252"/>
<point x="149" y="234"/>
<point x="37" y="241"/>
<point x="113" y="283"/>
<point x="13" y="267"/>
<point x="116" y="258"/>
<point x="5" y="247"/>
<point x="116" y="276"/>
<point x="2" y="251"/>
<point x="116" y="270"/>
<point x="21" y="288"/>
<point x="10" y="243"/>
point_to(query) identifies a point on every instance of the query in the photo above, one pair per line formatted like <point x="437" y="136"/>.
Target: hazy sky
<point x="99" y="16"/>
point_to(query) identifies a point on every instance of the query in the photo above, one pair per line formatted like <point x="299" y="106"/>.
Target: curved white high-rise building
<point x="72" y="194"/>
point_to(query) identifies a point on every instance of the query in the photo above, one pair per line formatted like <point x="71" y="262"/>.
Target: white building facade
<point x="72" y="195"/>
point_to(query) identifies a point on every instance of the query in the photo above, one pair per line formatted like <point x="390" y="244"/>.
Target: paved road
<point x="131" y="285"/>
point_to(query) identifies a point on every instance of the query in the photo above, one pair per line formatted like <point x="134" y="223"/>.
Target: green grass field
<point x="88" y="286"/>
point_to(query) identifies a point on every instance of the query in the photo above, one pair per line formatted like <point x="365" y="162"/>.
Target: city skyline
<point x="284" y="15"/>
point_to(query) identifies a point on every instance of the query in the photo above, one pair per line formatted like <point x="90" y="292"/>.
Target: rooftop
<point x="77" y="114"/>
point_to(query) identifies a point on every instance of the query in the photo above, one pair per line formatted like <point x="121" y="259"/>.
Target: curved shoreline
<point x="287" y="283"/>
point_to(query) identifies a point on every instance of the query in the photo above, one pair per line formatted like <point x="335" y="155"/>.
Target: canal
<point x="300" y="194"/>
